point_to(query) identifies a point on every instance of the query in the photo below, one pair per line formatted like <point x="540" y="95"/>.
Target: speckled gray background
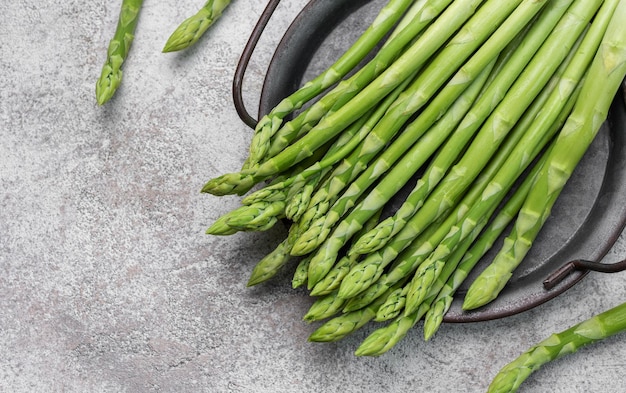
<point x="107" y="281"/>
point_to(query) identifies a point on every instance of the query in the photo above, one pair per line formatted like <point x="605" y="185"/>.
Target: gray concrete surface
<point x="107" y="281"/>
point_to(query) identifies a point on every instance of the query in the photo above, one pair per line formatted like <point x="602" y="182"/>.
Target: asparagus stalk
<point x="382" y="340"/>
<point x="324" y="307"/>
<point x="258" y="213"/>
<point x="594" y="329"/>
<point x="286" y="186"/>
<point x="373" y="282"/>
<point x="192" y="28"/>
<point x="300" y="274"/>
<point x="497" y="126"/>
<point x="119" y="47"/>
<point x="349" y="88"/>
<point x="271" y="264"/>
<point x="394" y="306"/>
<point x="487" y="238"/>
<point x="300" y="197"/>
<point x="371" y="268"/>
<point x="396" y="273"/>
<point x="385" y="338"/>
<point x="347" y="170"/>
<point x="605" y="75"/>
<point x="325" y="257"/>
<point x="368" y="271"/>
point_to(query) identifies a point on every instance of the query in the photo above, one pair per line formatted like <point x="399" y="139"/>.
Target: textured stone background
<point x="107" y="281"/>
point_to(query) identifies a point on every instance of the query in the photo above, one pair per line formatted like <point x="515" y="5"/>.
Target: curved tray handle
<point x="581" y="264"/>
<point x="242" y="65"/>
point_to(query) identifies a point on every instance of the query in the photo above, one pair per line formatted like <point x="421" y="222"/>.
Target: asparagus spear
<point x="300" y="274"/>
<point x="442" y="303"/>
<point x="118" y="50"/>
<point x="325" y="257"/>
<point x="285" y="187"/>
<point x="393" y="306"/>
<point x="420" y="17"/>
<point x="397" y="177"/>
<point x="346" y="171"/>
<point x="407" y="262"/>
<point x="385" y="338"/>
<point x="192" y="28"/>
<point x="371" y="268"/>
<point x="596" y="328"/>
<point x="333" y="279"/>
<point x="324" y="307"/>
<point x="604" y="77"/>
<point x="271" y="264"/>
<point x="362" y="289"/>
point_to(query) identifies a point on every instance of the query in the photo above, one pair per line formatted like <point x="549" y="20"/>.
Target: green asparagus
<point x="118" y="50"/>
<point x="462" y="97"/>
<point x="330" y="126"/>
<point x="596" y="328"/>
<point x="192" y="28"/>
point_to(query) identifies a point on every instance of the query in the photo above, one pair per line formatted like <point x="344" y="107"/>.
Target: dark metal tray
<point x="586" y="220"/>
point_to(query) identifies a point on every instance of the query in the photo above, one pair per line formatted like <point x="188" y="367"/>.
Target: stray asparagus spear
<point x="192" y="28"/>
<point x="111" y="75"/>
<point x="557" y="345"/>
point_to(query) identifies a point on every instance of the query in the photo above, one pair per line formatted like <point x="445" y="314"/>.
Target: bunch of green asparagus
<point x="487" y="105"/>
<point x="184" y="36"/>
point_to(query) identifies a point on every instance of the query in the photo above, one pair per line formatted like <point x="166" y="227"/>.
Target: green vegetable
<point x="192" y="28"/>
<point x="471" y="257"/>
<point x="364" y="272"/>
<point x="119" y="46"/>
<point x="300" y="274"/>
<point x="333" y="279"/>
<point x="463" y="97"/>
<point x="596" y="328"/>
